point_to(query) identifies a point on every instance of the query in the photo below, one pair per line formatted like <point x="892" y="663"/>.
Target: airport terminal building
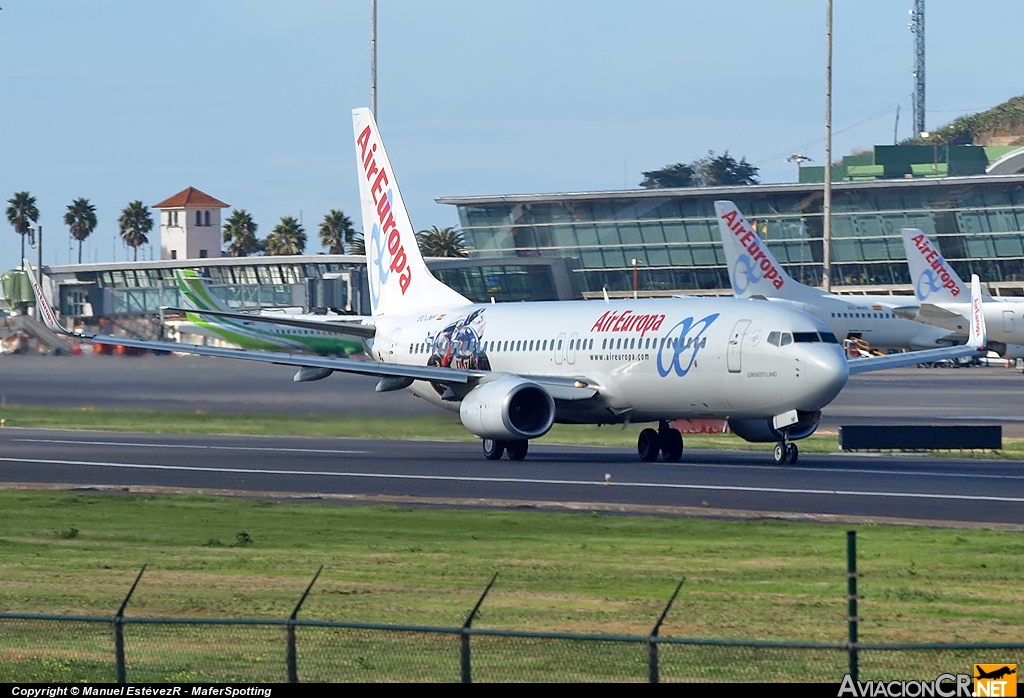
<point x="576" y="245"/>
<point x="978" y="222"/>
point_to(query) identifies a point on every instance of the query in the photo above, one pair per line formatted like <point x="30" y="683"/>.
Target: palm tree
<point x="288" y="237"/>
<point x="21" y="214"/>
<point x="443" y="242"/>
<point x="336" y="231"/>
<point x="240" y="231"/>
<point x="81" y="221"/>
<point x="135" y="222"/>
<point x="358" y="245"/>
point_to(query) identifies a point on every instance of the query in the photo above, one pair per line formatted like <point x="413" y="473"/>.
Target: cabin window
<point x="545" y="347"/>
<point x="531" y="345"/>
<point x="559" y="345"/>
<point x="604" y="343"/>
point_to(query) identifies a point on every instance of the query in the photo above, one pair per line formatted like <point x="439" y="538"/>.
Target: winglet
<point x="42" y="307"/>
<point x="979" y="334"/>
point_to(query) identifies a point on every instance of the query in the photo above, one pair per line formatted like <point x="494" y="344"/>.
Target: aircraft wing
<point x="353" y="329"/>
<point x="560" y="388"/>
<point x="911" y="358"/>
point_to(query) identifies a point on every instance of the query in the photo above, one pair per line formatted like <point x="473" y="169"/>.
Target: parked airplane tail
<point x="399" y="280"/>
<point x="195" y="295"/>
<point x="753" y="269"/>
<point x="933" y="279"/>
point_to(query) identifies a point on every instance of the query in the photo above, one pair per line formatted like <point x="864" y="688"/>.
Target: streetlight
<point x="799" y="160"/>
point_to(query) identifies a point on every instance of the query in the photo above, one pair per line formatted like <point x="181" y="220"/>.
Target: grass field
<point x="441" y="427"/>
<point x="76" y="553"/>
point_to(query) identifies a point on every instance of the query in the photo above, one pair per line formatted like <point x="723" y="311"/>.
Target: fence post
<point x="293" y="668"/>
<point x="467" y="670"/>
<point x="652" y="645"/>
<point x="119" y="632"/>
<point x="851" y="599"/>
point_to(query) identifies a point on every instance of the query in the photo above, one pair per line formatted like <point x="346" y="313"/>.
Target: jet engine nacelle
<point x="761" y="430"/>
<point x="508" y="409"/>
<point x="1007" y="351"/>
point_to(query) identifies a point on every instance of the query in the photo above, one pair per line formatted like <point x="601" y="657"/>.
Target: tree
<point x="709" y="171"/>
<point x="134" y="223"/>
<point x="358" y="245"/>
<point x="443" y="242"/>
<point x="336" y="231"/>
<point x="678" y="175"/>
<point x="288" y="237"/>
<point x="21" y="214"/>
<point x="240" y="231"/>
<point x="81" y="221"/>
<point x="723" y="170"/>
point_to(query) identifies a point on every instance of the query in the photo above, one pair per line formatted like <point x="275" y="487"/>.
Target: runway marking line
<point x="195" y="446"/>
<point x="788" y="469"/>
<point x="518" y="480"/>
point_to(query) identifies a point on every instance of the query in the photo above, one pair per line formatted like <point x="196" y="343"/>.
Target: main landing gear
<point x="785" y="452"/>
<point x="494" y="449"/>
<point x="666" y="441"/>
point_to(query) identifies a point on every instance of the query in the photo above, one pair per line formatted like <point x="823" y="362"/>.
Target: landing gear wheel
<point x="648" y="445"/>
<point x="792" y="453"/>
<point x="781" y="454"/>
<point x="672" y="445"/>
<point x="493" y="449"/>
<point x="517" y="449"/>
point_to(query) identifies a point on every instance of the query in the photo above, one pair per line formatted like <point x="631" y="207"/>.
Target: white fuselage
<point x="872" y="319"/>
<point x="651" y="359"/>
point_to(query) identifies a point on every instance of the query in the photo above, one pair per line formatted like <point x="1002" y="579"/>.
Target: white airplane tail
<point x="399" y="280"/>
<point x="753" y="269"/>
<point x="933" y="279"/>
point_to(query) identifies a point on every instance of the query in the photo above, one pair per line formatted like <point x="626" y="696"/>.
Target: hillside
<point x="1001" y="125"/>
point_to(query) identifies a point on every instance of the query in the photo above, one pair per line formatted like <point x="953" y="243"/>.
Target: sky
<point x="250" y="100"/>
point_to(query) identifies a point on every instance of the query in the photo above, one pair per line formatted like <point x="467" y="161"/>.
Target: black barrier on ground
<point x="917" y="438"/>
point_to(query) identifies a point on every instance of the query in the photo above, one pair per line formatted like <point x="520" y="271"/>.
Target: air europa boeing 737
<point x="512" y="370"/>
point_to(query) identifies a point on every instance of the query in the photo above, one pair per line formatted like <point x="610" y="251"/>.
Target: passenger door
<point x="735" y="352"/>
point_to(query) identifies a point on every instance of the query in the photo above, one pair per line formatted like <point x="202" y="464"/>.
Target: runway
<point x="905" y="487"/>
<point x="190" y="383"/>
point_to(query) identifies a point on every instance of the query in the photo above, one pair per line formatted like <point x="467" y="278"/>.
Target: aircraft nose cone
<point x="826" y="373"/>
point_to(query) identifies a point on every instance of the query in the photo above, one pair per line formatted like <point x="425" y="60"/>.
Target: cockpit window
<point x="829" y="338"/>
<point x="773" y="338"/>
<point x="787" y="338"/>
<point x="806" y="337"/>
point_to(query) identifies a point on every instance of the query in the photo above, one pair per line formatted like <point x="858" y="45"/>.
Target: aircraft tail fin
<point x="43" y="309"/>
<point x="195" y="294"/>
<point x="399" y="280"/>
<point x="753" y="269"/>
<point x="933" y="279"/>
<point x="979" y="333"/>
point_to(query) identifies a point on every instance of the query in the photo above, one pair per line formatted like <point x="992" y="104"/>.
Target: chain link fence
<point x="75" y="649"/>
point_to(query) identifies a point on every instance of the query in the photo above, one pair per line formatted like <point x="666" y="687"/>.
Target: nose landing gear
<point x="786" y="452"/>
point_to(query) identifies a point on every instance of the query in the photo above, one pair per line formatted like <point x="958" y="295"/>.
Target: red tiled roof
<point x="191" y="197"/>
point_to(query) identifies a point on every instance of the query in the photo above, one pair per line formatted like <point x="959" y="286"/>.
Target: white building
<point x="190" y="225"/>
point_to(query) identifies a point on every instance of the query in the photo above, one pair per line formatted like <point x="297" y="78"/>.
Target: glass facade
<point x="978" y="223"/>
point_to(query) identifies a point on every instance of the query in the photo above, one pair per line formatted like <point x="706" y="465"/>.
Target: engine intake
<point x="508" y="409"/>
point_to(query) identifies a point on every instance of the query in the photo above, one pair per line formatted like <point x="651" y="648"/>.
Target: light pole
<point x="373" y="57"/>
<point x="636" y="275"/>
<point x="799" y="160"/>
<point x="826" y="207"/>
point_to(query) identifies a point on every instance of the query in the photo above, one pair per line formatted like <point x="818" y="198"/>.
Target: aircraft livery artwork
<point x="459" y="344"/>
